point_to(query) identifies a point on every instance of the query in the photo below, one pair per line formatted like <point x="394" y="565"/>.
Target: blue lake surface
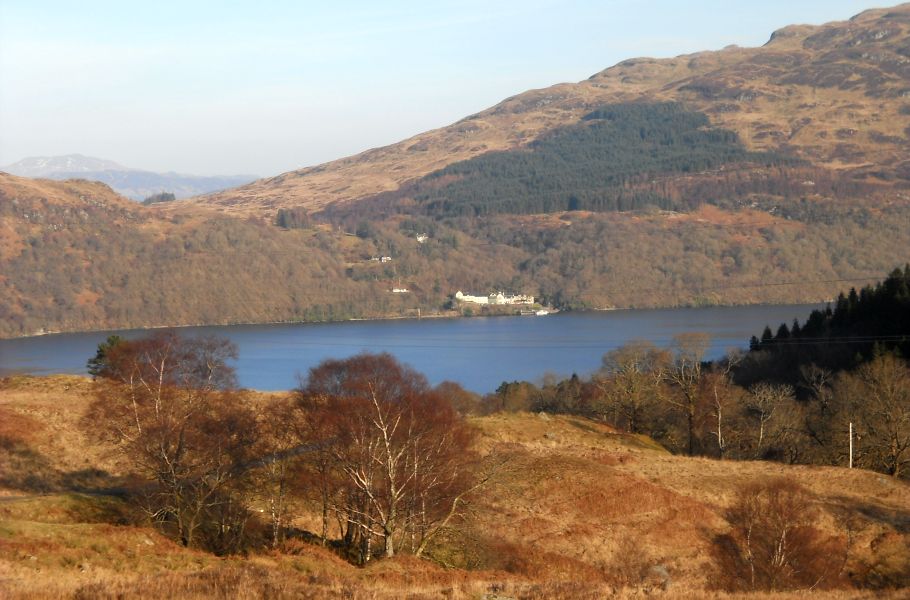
<point x="479" y="353"/>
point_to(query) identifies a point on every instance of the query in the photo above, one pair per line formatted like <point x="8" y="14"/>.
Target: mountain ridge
<point x="764" y="94"/>
<point x="43" y="166"/>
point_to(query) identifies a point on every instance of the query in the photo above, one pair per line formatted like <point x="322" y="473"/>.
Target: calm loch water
<point x="479" y="353"/>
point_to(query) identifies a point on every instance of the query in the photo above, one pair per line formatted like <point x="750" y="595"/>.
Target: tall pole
<point x="851" y="444"/>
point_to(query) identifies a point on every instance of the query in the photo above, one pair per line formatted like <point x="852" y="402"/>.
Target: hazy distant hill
<point x="47" y="166"/>
<point x="133" y="183"/>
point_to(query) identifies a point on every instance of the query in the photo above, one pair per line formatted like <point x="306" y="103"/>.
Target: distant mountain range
<point x="133" y="183"/>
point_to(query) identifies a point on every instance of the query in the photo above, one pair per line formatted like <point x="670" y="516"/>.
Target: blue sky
<point x="265" y="87"/>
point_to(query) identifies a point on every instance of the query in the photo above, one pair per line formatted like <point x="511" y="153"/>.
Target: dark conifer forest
<point x="859" y="326"/>
<point x="605" y="162"/>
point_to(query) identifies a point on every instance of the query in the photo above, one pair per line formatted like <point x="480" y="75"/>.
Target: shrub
<point x="774" y="544"/>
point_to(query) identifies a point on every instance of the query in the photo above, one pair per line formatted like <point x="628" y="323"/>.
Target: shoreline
<point x="229" y="324"/>
<point x="448" y="315"/>
<point x="479" y="354"/>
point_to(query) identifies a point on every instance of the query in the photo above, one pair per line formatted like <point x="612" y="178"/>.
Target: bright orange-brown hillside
<point x="575" y="510"/>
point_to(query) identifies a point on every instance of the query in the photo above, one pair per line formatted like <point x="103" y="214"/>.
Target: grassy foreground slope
<point x="578" y="510"/>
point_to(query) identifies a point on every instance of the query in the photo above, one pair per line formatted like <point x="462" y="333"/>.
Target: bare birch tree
<point x="722" y="396"/>
<point x="686" y="376"/>
<point x="167" y="402"/>
<point x="876" y="398"/>
<point x="763" y="403"/>
<point x="402" y="450"/>
<point x="631" y="384"/>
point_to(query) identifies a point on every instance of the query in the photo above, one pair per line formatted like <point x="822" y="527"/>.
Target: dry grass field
<point x="576" y="510"/>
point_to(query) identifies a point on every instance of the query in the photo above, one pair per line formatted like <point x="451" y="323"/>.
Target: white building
<point x="498" y="298"/>
<point x="472" y="299"/>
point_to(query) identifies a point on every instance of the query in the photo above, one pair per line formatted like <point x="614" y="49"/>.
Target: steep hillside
<point x="133" y="183"/>
<point x="621" y="157"/>
<point x="837" y="95"/>
<point x="75" y="256"/>
<point x="577" y="510"/>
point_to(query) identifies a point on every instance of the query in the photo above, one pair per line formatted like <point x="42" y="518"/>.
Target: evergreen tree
<point x="754" y="344"/>
<point x="875" y="319"/>
<point x="98" y="365"/>
<point x="783" y="333"/>
<point x="767" y="337"/>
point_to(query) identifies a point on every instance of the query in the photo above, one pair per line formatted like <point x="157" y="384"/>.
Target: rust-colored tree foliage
<point x="275" y="473"/>
<point x="168" y="403"/>
<point x="400" y="459"/>
<point x="773" y="543"/>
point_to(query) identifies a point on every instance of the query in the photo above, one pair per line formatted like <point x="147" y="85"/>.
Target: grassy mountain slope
<point x="835" y="94"/>
<point x="577" y="511"/>
<point x="620" y="157"/>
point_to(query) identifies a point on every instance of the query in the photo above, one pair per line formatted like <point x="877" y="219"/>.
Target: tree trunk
<point x="349" y="534"/>
<point x="366" y="545"/>
<point x="325" y="518"/>
<point x="389" y="544"/>
<point x="690" y="417"/>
